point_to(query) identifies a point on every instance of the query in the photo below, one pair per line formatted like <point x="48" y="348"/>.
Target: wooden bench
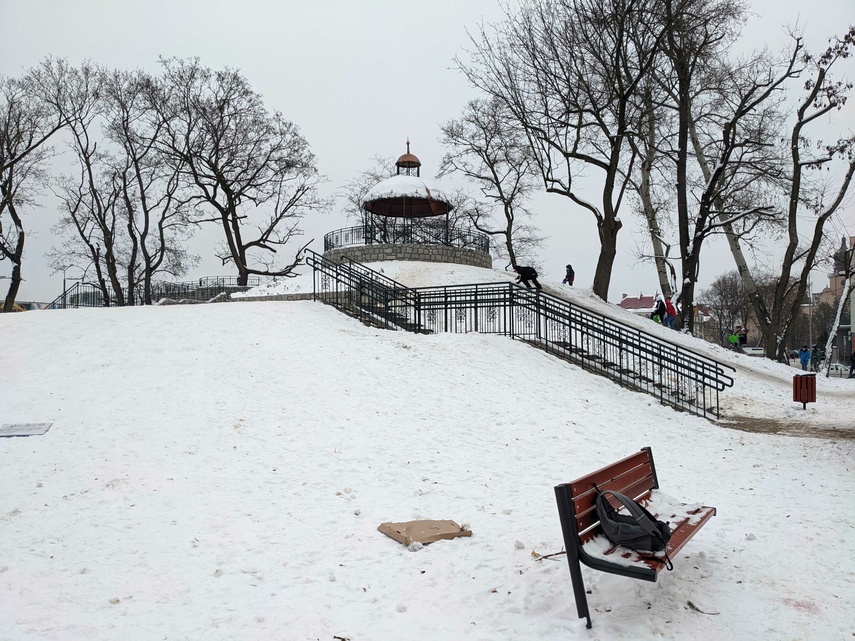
<point x="584" y="541"/>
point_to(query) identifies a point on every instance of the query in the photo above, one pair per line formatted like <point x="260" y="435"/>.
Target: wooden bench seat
<point x="584" y="541"/>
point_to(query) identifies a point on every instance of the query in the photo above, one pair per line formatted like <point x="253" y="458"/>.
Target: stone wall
<point x="427" y="253"/>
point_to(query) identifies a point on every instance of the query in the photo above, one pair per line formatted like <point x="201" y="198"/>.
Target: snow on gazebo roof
<point x="406" y="196"/>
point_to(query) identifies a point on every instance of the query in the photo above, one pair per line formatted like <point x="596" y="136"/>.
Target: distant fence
<point x="91" y="295"/>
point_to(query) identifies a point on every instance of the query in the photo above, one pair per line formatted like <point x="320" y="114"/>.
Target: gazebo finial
<point x="408" y="163"/>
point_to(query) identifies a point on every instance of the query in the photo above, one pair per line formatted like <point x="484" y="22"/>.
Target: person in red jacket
<point x="569" y="276"/>
<point x="670" y="314"/>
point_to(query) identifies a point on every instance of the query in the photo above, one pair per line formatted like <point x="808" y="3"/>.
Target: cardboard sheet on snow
<point x="24" y="429"/>
<point x="423" y="531"/>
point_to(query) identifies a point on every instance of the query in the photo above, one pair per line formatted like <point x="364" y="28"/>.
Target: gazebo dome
<point x="406" y="197"/>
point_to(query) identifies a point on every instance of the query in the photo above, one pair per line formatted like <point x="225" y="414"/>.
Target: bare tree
<point x="713" y="149"/>
<point x="808" y="191"/>
<point x="90" y="200"/>
<point x="27" y="121"/>
<point x="374" y="227"/>
<point x="726" y="301"/>
<point x="569" y="71"/>
<point x="247" y="168"/>
<point x="485" y="148"/>
<point x="154" y="212"/>
<point x="652" y="202"/>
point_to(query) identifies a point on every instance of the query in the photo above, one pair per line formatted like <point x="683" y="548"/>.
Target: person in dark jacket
<point x="527" y="275"/>
<point x="658" y="309"/>
<point x="852" y="365"/>
<point x="570" y="276"/>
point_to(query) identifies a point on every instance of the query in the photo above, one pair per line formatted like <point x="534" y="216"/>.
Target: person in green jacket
<point x="733" y="339"/>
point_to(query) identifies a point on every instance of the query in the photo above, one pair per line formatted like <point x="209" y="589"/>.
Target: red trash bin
<point x="804" y="388"/>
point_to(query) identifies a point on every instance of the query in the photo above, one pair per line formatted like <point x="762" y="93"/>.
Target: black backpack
<point x="638" y="530"/>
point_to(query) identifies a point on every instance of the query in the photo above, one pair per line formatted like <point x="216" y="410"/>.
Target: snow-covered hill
<point x="219" y="472"/>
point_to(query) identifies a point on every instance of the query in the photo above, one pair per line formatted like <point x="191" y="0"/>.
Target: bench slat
<point x="633" y="476"/>
<point x="686" y="531"/>
<point x="610" y="472"/>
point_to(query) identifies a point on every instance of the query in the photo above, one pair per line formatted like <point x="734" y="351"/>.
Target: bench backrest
<point x="634" y="476"/>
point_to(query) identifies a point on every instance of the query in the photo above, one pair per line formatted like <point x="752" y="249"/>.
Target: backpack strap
<point x="645" y="520"/>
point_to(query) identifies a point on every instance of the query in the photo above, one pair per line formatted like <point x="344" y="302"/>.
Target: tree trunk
<point x="14" y="285"/>
<point x="644" y="192"/>
<point x="608" y="230"/>
<point x="841" y="305"/>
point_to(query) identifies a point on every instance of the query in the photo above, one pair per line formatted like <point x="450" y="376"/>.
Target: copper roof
<point x="408" y="160"/>
<point x="403" y="207"/>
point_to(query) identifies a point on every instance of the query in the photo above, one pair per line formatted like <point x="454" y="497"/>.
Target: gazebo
<point x="407" y="217"/>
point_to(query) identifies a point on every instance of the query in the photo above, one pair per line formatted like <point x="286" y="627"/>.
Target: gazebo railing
<point x="461" y="237"/>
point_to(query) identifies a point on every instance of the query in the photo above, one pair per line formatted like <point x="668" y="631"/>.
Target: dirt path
<point x="772" y="426"/>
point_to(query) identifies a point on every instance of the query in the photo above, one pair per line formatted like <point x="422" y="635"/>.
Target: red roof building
<point x="641" y="305"/>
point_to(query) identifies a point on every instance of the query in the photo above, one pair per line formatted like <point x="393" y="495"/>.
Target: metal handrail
<point x="84" y="294"/>
<point x="361" y="291"/>
<point x="463" y="237"/>
<point x="676" y="375"/>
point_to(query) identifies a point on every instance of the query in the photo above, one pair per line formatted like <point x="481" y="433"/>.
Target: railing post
<point x="445" y="309"/>
<point x="476" y="309"/>
<point x="512" y="311"/>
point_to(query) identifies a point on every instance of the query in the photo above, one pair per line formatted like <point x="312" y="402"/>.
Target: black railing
<point x="677" y="376"/>
<point x="632" y="357"/>
<point x="84" y="294"/>
<point x="362" y="292"/>
<point x="81" y="295"/>
<point x="462" y="237"/>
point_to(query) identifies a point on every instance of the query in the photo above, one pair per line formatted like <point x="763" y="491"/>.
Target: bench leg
<point x="578" y="585"/>
<point x="568" y="530"/>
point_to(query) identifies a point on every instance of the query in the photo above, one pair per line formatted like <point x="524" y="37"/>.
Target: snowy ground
<point x="219" y="472"/>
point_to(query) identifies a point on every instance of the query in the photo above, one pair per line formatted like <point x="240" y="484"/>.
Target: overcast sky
<point x="358" y="77"/>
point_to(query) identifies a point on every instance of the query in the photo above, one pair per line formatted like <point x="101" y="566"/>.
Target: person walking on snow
<point x="570" y="276"/>
<point x="527" y="274"/>
<point x="804" y="357"/>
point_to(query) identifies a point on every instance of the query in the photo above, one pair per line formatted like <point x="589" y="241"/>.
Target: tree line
<point x="638" y="107"/>
<point x="155" y="156"/>
<point x="620" y="107"/>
